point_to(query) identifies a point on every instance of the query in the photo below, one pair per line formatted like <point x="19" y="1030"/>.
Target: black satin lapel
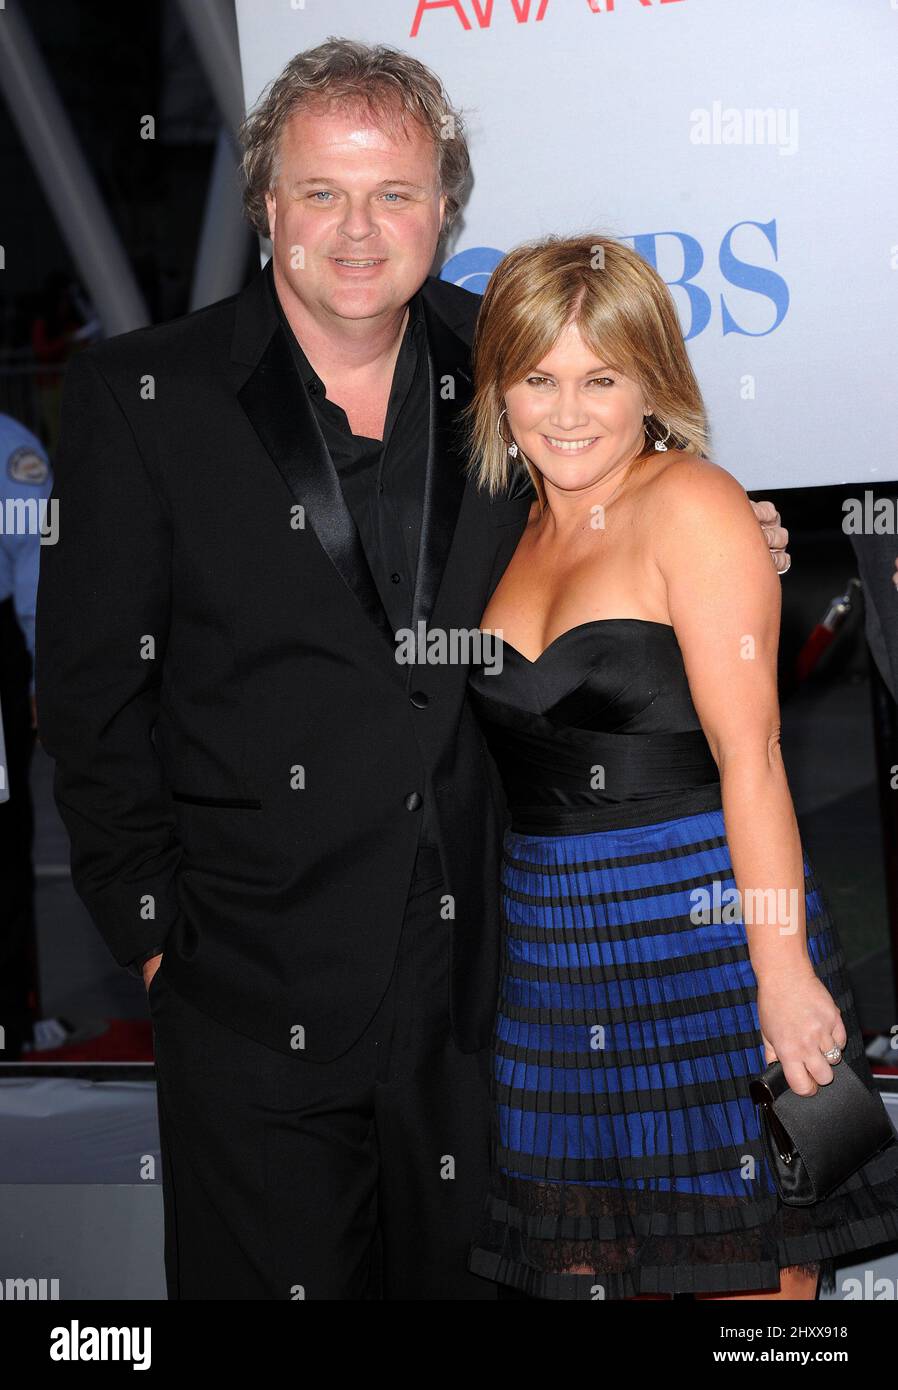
<point x="447" y="361"/>
<point x="284" y="420"/>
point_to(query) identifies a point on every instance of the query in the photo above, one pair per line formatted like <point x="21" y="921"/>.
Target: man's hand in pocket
<point x="149" y="969"/>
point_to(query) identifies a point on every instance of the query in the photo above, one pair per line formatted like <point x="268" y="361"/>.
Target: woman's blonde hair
<point x="385" y="81"/>
<point x="626" y="315"/>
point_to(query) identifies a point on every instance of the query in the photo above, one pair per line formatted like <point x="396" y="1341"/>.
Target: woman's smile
<point x="570" y="446"/>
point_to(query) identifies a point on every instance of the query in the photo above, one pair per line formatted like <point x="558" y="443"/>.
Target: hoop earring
<point x="512" y="447"/>
<point x="660" y="444"/>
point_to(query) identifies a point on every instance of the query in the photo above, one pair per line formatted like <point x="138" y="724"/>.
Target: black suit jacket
<point x="237" y="750"/>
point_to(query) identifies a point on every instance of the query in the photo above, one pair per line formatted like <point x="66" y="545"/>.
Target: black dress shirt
<point x="383" y="481"/>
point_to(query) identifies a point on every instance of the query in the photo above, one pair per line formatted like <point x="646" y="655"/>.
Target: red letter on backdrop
<point x="438" y="5"/>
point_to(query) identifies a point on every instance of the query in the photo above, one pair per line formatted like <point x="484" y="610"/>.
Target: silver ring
<point x="834" y="1054"/>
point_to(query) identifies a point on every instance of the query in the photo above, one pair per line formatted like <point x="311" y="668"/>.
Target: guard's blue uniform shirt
<point x="24" y="473"/>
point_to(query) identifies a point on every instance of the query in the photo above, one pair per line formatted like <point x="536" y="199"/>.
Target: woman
<point x="633" y="716"/>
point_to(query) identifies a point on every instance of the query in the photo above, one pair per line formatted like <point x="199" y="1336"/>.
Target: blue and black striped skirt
<point x="627" y="1155"/>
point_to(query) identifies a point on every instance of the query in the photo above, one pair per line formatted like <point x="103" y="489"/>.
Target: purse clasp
<point x="762" y="1097"/>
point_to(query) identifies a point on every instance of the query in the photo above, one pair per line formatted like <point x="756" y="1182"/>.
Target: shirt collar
<point x="411" y="340"/>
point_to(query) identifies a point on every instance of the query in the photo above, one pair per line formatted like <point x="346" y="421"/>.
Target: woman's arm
<point x="724" y="603"/>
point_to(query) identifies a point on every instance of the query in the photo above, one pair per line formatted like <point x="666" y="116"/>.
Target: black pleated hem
<point x="761" y="1277"/>
<point x="845" y="1244"/>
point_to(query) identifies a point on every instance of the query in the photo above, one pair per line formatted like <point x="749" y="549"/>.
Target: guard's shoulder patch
<point x="25" y="466"/>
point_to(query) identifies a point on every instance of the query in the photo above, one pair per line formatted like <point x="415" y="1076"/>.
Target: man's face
<point x="356" y="213"/>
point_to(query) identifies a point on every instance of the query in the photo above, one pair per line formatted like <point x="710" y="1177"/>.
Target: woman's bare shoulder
<point x="689" y="482"/>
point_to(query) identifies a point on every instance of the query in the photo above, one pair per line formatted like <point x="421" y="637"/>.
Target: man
<point x="254" y="500"/>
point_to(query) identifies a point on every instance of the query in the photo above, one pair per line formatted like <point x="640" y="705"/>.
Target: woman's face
<point x="577" y="419"/>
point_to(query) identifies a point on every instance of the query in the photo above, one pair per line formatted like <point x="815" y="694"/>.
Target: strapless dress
<point x="627" y="1157"/>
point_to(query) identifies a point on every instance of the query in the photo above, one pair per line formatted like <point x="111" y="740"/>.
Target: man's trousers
<point x="360" y="1178"/>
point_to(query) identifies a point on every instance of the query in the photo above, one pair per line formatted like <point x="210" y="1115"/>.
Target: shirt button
<point x="313" y="388"/>
<point x="395" y="577"/>
<point x="413" y="801"/>
<point x="418" y="699"/>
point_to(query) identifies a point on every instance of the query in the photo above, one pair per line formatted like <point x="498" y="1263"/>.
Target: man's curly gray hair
<point x="386" y="81"/>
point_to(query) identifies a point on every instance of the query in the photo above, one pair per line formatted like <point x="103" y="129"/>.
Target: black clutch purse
<point x="814" y="1143"/>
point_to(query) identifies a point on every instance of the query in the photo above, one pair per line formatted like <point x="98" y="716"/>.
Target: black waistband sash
<point x="565" y="781"/>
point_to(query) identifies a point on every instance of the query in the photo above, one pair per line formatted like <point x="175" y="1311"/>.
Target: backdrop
<point x="747" y="148"/>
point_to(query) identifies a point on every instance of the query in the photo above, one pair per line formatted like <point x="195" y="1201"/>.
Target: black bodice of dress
<point x="599" y="732"/>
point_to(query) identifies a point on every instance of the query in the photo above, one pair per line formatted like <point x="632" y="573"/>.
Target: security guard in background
<point x="24" y="474"/>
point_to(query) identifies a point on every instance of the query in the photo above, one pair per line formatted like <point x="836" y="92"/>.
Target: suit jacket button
<point x="418" y="699"/>
<point x="414" y="801"/>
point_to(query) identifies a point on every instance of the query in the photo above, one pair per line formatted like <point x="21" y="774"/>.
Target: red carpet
<point x="125" y="1040"/>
